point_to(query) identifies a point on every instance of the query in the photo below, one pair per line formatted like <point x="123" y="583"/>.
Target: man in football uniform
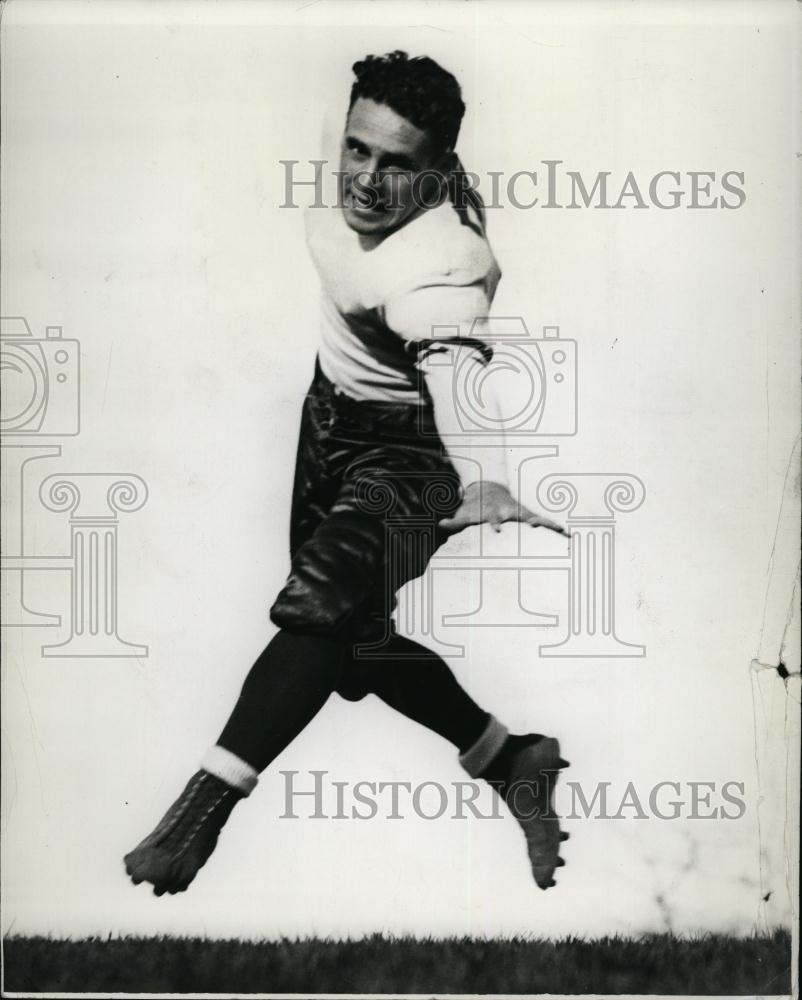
<point x="406" y="272"/>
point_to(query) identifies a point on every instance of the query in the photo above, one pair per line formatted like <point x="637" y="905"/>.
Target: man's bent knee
<point x="327" y="610"/>
<point x="317" y="610"/>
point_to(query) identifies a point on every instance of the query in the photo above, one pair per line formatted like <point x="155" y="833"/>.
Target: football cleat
<point x="171" y="856"/>
<point x="527" y="787"/>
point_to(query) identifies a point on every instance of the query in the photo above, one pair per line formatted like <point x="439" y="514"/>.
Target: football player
<point x="405" y="269"/>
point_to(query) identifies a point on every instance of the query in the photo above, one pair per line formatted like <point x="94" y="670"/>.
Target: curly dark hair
<point x="418" y="89"/>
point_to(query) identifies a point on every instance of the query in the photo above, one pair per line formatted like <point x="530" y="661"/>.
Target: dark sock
<point x="421" y="686"/>
<point x="284" y="690"/>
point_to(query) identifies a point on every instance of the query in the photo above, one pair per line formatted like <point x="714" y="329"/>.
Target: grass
<point x="656" y="964"/>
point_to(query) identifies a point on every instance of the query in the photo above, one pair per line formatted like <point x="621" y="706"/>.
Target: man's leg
<point x="522" y="769"/>
<point x="286" y="687"/>
<point x="420" y="685"/>
<point x="351" y="561"/>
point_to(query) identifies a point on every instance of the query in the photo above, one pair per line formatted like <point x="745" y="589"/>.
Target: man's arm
<point x="446" y="367"/>
<point x="486" y="495"/>
<point x="438" y="321"/>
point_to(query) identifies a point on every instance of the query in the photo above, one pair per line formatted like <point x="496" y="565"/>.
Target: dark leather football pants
<point x="371" y="482"/>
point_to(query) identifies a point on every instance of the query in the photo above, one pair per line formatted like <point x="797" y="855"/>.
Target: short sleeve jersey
<point x="431" y="279"/>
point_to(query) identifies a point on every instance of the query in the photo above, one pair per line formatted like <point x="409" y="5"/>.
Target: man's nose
<point x="377" y="180"/>
<point x="374" y="175"/>
<point x="368" y="171"/>
<point x="383" y="183"/>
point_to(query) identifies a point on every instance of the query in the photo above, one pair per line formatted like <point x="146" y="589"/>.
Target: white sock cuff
<point x="228" y="767"/>
<point x="476" y="758"/>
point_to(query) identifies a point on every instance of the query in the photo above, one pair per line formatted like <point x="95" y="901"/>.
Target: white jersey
<point x="432" y="277"/>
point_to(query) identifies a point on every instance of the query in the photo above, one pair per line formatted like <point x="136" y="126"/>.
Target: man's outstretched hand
<point x="491" y="503"/>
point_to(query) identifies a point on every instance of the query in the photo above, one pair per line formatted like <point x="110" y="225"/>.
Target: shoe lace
<point x="203" y="796"/>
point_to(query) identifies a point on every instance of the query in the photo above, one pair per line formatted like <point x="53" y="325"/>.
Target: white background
<point x="140" y="194"/>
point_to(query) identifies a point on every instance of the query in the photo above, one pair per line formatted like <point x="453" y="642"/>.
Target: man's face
<point x="382" y="157"/>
